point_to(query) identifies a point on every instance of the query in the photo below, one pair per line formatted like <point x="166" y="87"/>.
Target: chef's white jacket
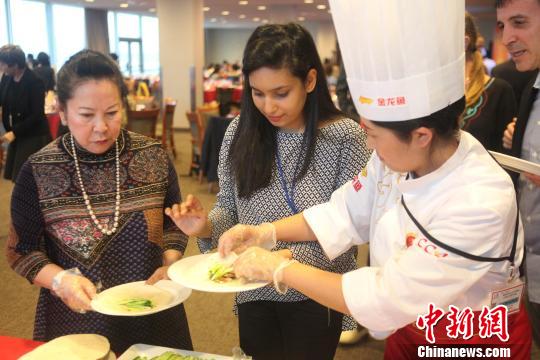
<point x="468" y="203"/>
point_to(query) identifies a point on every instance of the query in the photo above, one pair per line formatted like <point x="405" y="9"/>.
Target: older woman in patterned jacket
<point x="88" y="209"/>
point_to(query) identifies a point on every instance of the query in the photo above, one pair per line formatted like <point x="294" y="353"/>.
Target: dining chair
<point x="206" y="112"/>
<point x="143" y="121"/>
<point x="1" y="157"/>
<point x="213" y="137"/>
<point x="167" y="132"/>
<point x="54" y="124"/>
<point x="197" y="136"/>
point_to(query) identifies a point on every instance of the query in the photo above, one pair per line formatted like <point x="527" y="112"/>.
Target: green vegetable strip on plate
<point x="138" y="304"/>
<point x="218" y="271"/>
<point x="169" y="355"/>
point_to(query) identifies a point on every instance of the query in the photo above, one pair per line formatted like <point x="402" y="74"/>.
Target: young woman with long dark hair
<point x="288" y="150"/>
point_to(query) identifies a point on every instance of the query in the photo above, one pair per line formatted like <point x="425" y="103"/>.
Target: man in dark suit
<point x="4" y="78"/>
<point x="519" y="23"/>
<point x="517" y="79"/>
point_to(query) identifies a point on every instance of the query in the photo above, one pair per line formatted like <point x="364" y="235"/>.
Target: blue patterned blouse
<point x="339" y="155"/>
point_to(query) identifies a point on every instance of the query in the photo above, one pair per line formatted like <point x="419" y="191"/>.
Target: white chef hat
<point x="404" y="58"/>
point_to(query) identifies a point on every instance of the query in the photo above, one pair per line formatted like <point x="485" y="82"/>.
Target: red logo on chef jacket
<point x="357" y="185"/>
<point x="424" y="244"/>
<point x="409" y="239"/>
<point x="431" y="249"/>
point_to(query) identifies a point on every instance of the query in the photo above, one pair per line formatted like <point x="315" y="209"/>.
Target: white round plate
<point x="164" y="294"/>
<point x="73" y="346"/>
<point x="192" y="272"/>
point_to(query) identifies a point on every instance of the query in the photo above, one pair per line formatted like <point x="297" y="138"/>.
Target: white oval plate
<point x="192" y="272"/>
<point x="164" y="294"/>
<point x="516" y="164"/>
<point x="150" y="351"/>
<point x="80" y="346"/>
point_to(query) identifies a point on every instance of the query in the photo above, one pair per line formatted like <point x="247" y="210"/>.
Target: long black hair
<point x="252" y="151"/>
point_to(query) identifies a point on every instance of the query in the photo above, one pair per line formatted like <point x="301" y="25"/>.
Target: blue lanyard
<point x="289" y="196"/>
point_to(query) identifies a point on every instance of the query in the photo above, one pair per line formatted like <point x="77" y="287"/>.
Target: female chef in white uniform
<point x="439" y="213"/>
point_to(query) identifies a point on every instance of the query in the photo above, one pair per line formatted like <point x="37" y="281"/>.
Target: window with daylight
<point x="29" y="26"/>
<point x="129" y="26"/>
<point x="135" y="39"/>
<point x="3" y="24"/>
<point x="69" y="32"/>
<point x="111" y="24"/>
<point x="150" y="41"/>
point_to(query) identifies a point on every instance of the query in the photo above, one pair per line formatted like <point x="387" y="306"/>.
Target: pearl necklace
<point x="104" y="229"/>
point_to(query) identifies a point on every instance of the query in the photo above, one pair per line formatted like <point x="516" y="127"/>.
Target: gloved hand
<point x="381" y="335"/>
<point x="259" y="264"/>
<point x="75" y="290"/>
<point x="240" y="237"/>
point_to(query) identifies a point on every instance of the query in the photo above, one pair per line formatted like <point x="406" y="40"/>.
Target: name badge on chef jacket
<point x="508" y="295"/>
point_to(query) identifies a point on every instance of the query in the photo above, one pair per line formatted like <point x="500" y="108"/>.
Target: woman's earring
<point x="63" y="120"/>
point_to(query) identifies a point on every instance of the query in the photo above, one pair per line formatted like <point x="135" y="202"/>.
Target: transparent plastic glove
<point x="259" y="264"/>
<point x="238" y="354"/>
<point x="240" y="237"/>
<point x="381" y="335"/>
<point x="75" y="290"/>
<point x="189" y="216"/>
